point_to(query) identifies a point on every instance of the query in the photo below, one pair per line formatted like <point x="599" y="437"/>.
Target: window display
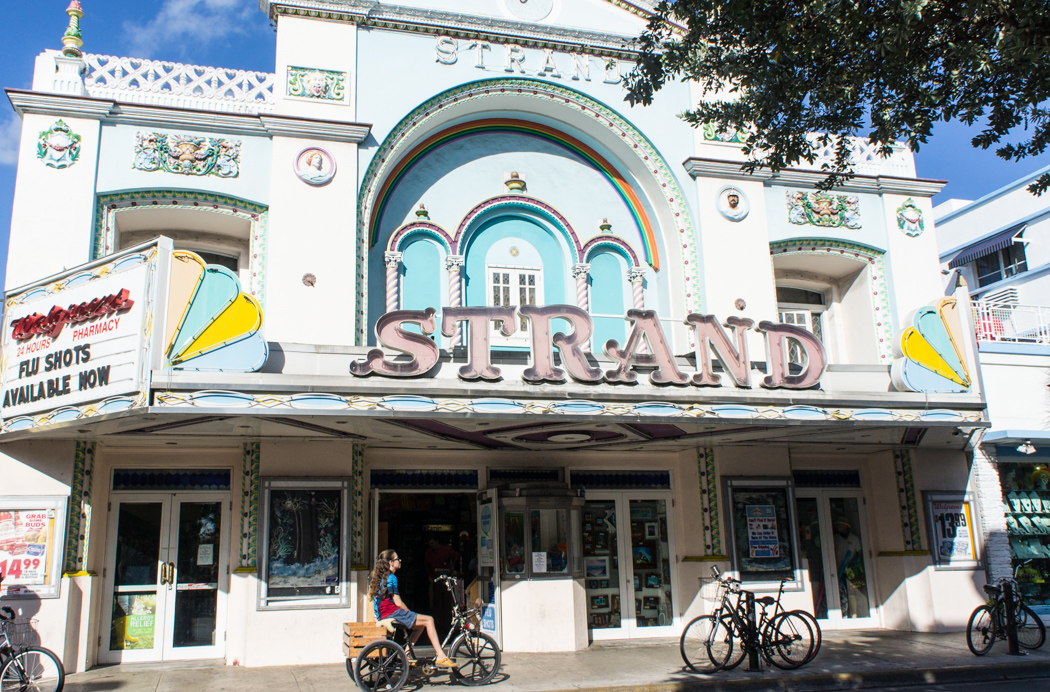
<point x="303" y="547"/>
<point x="537" y="541"/>
<point x="31" y="530"/>
<point x="1026" y="499"/>
<point x="762" y="540"/>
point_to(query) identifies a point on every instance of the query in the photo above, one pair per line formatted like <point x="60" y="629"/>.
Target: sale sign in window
<point x="26" y="537"/>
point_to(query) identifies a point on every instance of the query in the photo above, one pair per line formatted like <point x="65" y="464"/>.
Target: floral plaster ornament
<point x="325" y="85"/>
<point x="823" y="209"/>
<point x="57" y="146"/>
<point x="315" y="166"/>
<point x="909" y="218"/>
<point x="187" y="155"/>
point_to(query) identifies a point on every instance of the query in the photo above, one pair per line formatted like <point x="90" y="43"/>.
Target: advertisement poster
<point x="954" y="542"/>
<point x="762" y="531"/>
<point x="486" y="549"/>
<point x="134" y="621"/>
<point x="26" y="539"/>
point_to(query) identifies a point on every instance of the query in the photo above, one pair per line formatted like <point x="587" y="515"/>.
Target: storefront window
<point x="514" y="540"/>
<point x="550" y="541"/>
<point x="31" y="530"/>
<point x="538" y="542"/>
<point x="1026" y="490"/>
<point x="762" y="540"/>
<point x="303" y="547"/>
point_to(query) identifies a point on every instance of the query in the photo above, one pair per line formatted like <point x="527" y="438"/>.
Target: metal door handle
<point x="171" y="574"/>
<point x="163" y="573"/>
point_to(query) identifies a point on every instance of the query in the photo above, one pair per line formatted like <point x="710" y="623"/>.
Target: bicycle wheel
<point x="980" y="631"/>
<point x="791" y="638"/>
<point x="382" y="666"/>
<point x="477" y="659"/>
<point x="693" y="644"/>
<point x="818" y="636"/>
<point x="33" y="670"/>
<point x="739" y="650"/>
<point x="1031" y="633"/>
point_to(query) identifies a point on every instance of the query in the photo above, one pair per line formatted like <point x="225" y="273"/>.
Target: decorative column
<point x="251" y="456"/>
<point x="393" y="264"/>
<point x="636" y="276"/>
<point x="985" y="476"/>
<point x="78" y="520"/>
<point x="582" y="271"/>
<point x="454" y="267"/>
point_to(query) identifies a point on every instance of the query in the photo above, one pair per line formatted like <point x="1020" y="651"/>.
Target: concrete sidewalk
<point x="847" y="660"/>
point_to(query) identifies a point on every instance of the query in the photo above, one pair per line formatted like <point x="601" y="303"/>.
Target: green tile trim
<point x="78" y="520"/>
<point x="705" y="462"/>
<point x="357" y="504"/>
<point x="906" y="499"/>
<point x="249" y="519"/>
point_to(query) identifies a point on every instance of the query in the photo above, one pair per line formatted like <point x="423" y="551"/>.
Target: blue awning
<point x="987" y="246"/>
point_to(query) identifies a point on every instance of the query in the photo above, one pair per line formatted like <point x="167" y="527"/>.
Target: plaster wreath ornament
<point x="823" y="209"/>
<point x="187" y="155"/>
<point x="57" y="146"/>
<point x="316" y="84"/>
<point x="909" y="218"/>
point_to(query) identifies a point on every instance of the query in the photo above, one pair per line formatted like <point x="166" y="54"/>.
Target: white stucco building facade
<point x="432" y="278"/>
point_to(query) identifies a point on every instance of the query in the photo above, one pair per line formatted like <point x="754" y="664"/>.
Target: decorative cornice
<point x="29" y="102"/>
<point x="795" y="177"/>
<point x="417" y="20"/>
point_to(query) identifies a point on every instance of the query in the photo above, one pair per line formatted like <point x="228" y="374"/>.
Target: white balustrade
<point x="867" y="159"/>
<point x="1024" y="324"/>
<point x="160" y="83"/>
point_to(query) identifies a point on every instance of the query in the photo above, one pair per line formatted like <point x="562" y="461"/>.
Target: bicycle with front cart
<point x="988" y="622"/>
<point x="721" y="640"/>
<point x="26" y="668"/>
<point x="386" y="664"/>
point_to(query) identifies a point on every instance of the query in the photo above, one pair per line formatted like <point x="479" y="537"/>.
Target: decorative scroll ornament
<point x="187" y="155"/>
<point x="909" y="218"/>
<point x="57" y="146"/>
<point x="307" y="83"/>
<point x="730" y="136"/>
<point x="929" y="352"/>
<point x="823" y="209"/>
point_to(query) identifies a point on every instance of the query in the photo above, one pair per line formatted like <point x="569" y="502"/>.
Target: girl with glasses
<point x="382" y="589"/>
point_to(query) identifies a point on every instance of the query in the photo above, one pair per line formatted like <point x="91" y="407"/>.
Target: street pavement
<point x="869" y="659"/>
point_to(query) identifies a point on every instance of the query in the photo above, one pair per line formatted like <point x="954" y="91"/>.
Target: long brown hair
<point x="380" y="572"/>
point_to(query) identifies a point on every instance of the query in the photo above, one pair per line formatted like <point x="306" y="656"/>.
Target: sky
<point x="236" y="34"/>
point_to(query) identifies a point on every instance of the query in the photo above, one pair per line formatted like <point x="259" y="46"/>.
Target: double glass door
<point x="834" y="540"/>
<point x="628" y="554"/>
<point x="167" y="577"/>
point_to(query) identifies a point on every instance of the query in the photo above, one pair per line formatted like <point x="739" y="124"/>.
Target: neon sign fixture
<point x="709" y="334"/>
<point x="58" y="317"/>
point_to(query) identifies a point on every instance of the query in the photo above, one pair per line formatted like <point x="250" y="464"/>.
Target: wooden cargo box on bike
<point x="358" y="635"/>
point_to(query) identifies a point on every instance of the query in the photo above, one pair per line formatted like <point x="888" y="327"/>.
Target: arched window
<point x="421" y="276"/>
<point x="608" y="298"/>
<point x="802" y="308"/>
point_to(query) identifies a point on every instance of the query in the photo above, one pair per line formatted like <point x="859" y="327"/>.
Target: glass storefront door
<point x="628" y="563"/>
<point x="167" y="575"/>
<point x="834" y="541"/>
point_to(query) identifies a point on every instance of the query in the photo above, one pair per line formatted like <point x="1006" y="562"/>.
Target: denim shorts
<point x="405" y="617"/>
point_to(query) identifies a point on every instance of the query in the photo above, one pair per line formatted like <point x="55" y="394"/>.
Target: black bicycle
<point x="385" y="665"/>
<point x="721" y="640"/>
<point x="989" y="621"/>
<point x="25" y="668"/>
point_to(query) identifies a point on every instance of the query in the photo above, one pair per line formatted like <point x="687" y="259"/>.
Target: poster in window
<point x="304" y="540"/>
<point x="762" y="538"/>
<point x="30" y="550"/>
<point x="953" y="531"/>
<point x="761" y="526"/>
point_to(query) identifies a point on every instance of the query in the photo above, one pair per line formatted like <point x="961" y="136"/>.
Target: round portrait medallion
<point x="732" y="203"/>
<point x="314" y="166"/>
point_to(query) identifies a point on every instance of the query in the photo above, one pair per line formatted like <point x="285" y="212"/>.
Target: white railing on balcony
<point x="868" y="160"/>
<point x="160" y="83"/>
<point x="1024" y="324"/>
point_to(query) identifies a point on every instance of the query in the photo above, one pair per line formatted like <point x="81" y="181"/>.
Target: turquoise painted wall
<point x="608" y="282"/>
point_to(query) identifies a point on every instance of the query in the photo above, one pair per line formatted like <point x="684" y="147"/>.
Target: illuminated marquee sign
<point x="646" y="348"/>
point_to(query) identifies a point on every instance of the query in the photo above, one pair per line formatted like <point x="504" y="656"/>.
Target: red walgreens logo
<point x="52" y="323"/>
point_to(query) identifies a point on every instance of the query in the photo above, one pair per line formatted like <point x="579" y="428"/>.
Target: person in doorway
<point x="439" y="559"/>
<point x="382" y="589"/>
<point x="849" y="558"/>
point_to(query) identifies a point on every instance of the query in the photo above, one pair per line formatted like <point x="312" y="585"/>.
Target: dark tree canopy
<point x="888" y="69"/>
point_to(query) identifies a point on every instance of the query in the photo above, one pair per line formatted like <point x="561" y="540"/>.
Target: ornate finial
<point x="422" y="212"/>
<point x="605" y="226"/>
<point x="515" y="183"/>
<point x="72" y="40"/>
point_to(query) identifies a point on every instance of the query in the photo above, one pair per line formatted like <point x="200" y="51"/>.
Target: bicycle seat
<point x="765" y="601"/>
<point x="992" y="590"/>
<point x="389" y="624"/>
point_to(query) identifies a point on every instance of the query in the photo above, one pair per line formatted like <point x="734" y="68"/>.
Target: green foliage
<point x="778" y="70"/>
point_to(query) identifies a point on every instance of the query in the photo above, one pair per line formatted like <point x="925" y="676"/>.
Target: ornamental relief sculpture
<point x="187" y="155"/>
<point x="823" y="209"/>
<point x="309" y="83"/>
<point x="57" y="146"/>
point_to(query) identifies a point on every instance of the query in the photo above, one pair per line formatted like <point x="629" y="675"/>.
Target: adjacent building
<point x="433" y="285"/>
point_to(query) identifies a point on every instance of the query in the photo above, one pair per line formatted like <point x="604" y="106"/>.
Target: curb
<point x="827" y="682"/>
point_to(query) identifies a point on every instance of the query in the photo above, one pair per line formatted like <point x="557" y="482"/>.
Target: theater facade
<point x="433" y="285"/>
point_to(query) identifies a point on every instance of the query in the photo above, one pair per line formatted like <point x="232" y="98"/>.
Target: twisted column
<point x="582" y="271"/>
<point x="636" y="276"/>
<point x="393" y="263"/>
<point x="454" y="264"/>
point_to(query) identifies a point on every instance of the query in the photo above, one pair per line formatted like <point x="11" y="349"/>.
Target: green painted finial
<point x="72" y="40"/>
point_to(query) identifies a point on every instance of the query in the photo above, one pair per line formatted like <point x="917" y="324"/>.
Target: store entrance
<point x="166" y="577"/>
<point x="433" y="534"/>
<point x="833" y="537"/>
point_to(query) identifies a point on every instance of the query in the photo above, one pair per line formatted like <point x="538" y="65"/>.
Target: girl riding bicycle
<point x="382" y="589"/>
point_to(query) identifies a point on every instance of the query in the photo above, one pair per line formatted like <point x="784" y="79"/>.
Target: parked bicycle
<point x="385" y="665"/>
<point x="25" y="668"/>
<point x="989" y="621"/>
<point x="721" y="640"/>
